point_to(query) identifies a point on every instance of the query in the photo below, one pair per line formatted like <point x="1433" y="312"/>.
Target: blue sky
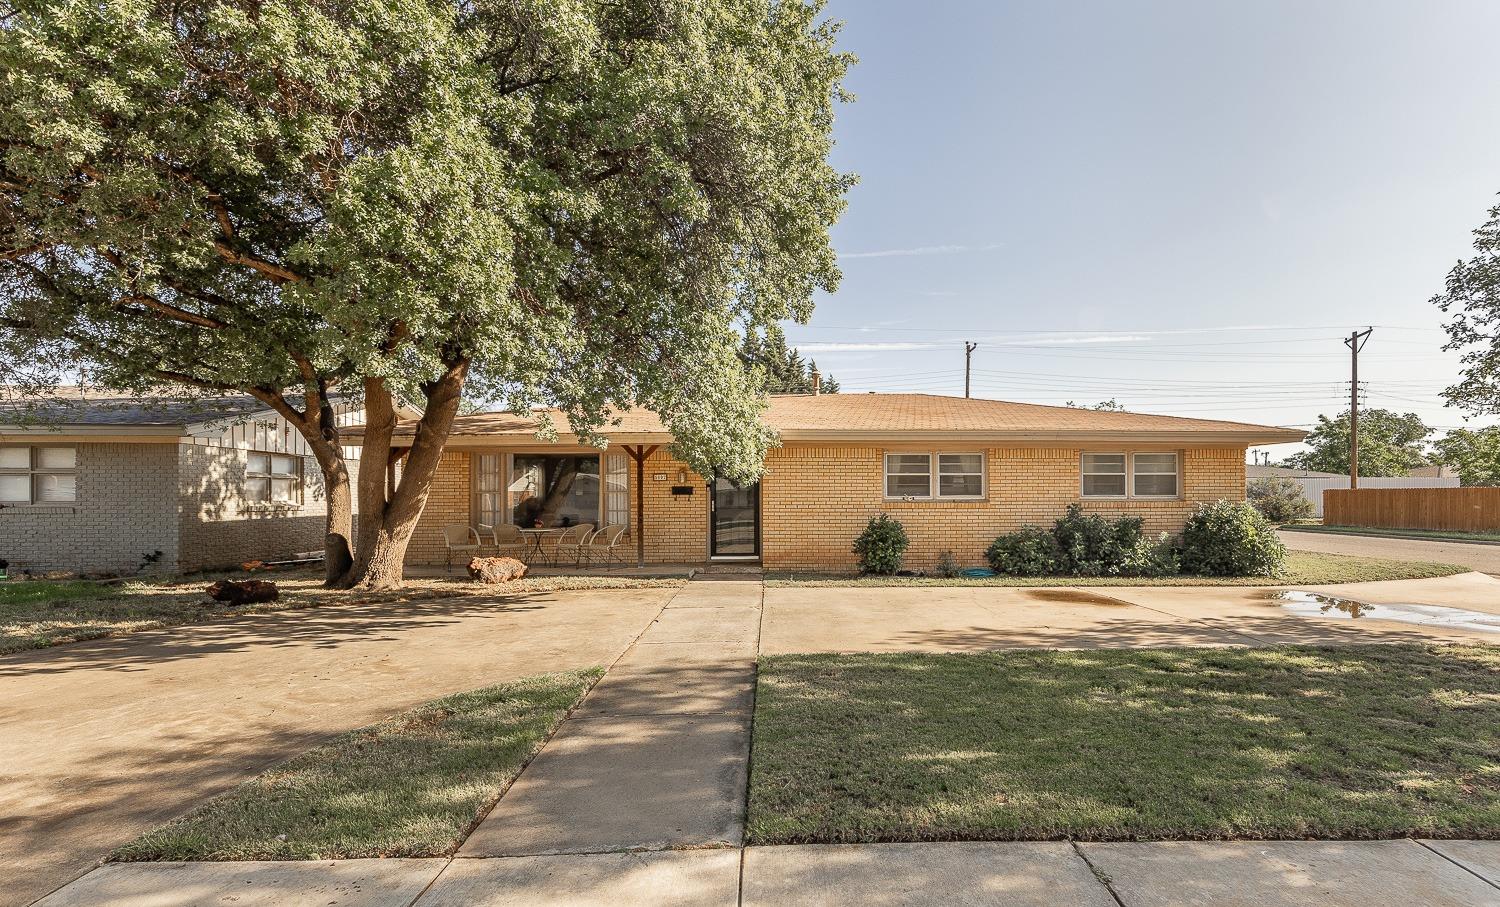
<point x="1179" y="205"/>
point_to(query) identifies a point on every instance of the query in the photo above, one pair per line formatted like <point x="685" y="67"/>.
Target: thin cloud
<point x="1055" y="341"/>
<point x="922" y="250"/>
<point x="885" y="347"/>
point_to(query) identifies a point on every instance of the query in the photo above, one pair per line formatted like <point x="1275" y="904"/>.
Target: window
<point x="489" y="491"/>
<point x="550" y="490"/>
<point x="908" y="475"/>
<point x="38" y="475"/>
<point x="616" y="491"/>
<point x="272" y="478"/>
<point x="1104" y="475"/>
<point x="1155" y="475"/>
<point x="959" y="475"/>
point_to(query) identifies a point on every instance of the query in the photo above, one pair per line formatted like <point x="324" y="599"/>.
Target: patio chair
<point x="507" y="540"/>
<point x="459" y="539"/>
<point x="568" y="542"/>
<point x="604" y="544"/>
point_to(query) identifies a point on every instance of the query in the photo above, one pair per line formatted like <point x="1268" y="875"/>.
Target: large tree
<point x="1475" y="453"/>
<point x="779" y="366"/>
<point x="572" y="202"/>
<point x="1472" y="299"/>
<point x="1390" y="444"/>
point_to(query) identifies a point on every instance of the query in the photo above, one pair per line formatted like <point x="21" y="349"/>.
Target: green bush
<point x="947" y="564"/>
<point x="1095" y="546"/>
<point x="1029" y="551"/>
<point x="1226" y="538"/>
<point x="1162" y="557"/>
<point x="1280" y="500"/>
<point x="881" y="546"/>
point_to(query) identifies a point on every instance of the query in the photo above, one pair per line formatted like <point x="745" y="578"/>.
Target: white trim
<point x="934" y="475"/>
<point x="1176" y="474"/>
<point x="1129" y="476"/>
<point x="33" y="470"/>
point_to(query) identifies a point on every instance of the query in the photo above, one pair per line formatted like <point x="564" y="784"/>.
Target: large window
<point x="1136" y="475"/>
<point x="960" y="476"/>
<point x="38" y="475"/>
<point x="272" y="478"/>
<point x="546" y="490"/>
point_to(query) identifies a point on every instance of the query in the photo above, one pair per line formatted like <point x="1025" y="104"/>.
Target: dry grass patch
<point x="37" y="614"/>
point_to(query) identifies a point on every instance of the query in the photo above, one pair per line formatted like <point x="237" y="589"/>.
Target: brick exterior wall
<point x="126" y="507"/>
<point x="816" y="499"/>
<point x="219" y="529"/>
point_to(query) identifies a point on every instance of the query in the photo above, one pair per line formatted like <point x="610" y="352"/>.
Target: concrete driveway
<point x="1484" y="558"/>
<point x="938" y="619"/>
<point x="103" y="740"/>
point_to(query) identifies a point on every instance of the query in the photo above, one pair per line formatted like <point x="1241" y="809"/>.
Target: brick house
<point x="955" y="471"/>
<point x="96" y="482"/>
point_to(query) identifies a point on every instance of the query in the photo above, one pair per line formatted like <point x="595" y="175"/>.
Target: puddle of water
<point x="1312" y="604"/>
<point x="1074" y="597"/>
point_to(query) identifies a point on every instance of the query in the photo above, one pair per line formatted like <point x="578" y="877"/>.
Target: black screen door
<point x="735" y="520"/>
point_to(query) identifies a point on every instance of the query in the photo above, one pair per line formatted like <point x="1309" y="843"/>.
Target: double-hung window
<point x="38" y="475"/>
<point x="272" y="478"/>
<point x="929" y="476"/>
<point x="1133" y="475"/>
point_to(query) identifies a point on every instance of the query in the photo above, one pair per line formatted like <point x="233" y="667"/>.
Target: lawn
<point x="1435" y="535"/>
<point x="1293" y="742"/>
<point x="1303" y="568"/>
<point x="412" y="786"/>
<point x="40" y="613"/>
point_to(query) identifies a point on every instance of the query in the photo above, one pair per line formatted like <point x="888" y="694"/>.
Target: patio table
<point x="536" y="536"/>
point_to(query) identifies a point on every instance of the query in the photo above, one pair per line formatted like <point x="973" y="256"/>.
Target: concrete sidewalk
<point x="1017" y="874"/>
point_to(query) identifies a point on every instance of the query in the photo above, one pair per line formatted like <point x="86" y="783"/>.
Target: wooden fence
<point x="1463" y="509"/>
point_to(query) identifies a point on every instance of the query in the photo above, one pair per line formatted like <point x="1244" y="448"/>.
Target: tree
<point x="570" y="202"/>
<point x="1474" y="453"/>
<point x="1390" y="444"/>
<point x="1105" y="406"/>
<point x="1472" y="298"/>
<point x="1279" y="500"/>
<point x="781" y="366"/>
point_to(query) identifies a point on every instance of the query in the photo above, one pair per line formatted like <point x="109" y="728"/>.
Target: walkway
<point x="1484" y="558"/>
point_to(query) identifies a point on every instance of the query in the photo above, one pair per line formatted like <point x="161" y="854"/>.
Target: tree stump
<point x="248" y="592"/>
<point x="496" y="569"/>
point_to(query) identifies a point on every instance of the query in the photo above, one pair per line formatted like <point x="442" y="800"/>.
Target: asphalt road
<point x="1484" y="558"/>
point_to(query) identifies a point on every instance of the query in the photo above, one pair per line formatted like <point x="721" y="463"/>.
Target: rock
<point x="243" y="593"/>
<point x="252" y="566"/>
<point x="496" y="569"/>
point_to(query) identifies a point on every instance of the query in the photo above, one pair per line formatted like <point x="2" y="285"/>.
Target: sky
<point x="1181" y="206"/>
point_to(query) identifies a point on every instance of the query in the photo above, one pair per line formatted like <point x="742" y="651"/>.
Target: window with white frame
<point x="1104" y="475"/>
<point x="1154" y="475"/>
<point x="272" y="478"/>
<point x="1134" y="475"/>
<point x="910" y="475"/>
<point x="489" y="489"/>
<point x="616" y="491"/>
<point x="38" y="475"/>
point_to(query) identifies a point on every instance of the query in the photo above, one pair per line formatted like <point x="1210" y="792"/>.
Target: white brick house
<point x="97" y="483"/>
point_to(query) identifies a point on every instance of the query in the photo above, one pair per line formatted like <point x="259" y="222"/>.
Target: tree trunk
<point x="338" y="549"/>
<point x="388" y="517"/>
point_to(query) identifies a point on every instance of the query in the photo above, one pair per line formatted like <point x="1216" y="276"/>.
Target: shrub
<point x="1162" y="557"/>
<point x="881" y="546"/>
<point x="947" y="564"/>
<point x="1029" y="551"/>
<point x="1226" y="538"/>
<point x="1279" y="500"/>
<point x="1092" y="545"/>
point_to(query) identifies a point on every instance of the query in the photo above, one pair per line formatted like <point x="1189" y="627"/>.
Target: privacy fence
<point x="1462" y="509"/>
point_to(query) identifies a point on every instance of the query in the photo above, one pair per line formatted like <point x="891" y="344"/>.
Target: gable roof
<point x="900" y="417"/>
<point x="72" y="405"/>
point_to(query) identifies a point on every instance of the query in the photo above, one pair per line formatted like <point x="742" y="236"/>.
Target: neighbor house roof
<point x="899" y="417"/>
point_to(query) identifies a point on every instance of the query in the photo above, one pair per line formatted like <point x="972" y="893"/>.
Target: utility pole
<point x="968" y="357"/>
<point x="1355" y="342"/>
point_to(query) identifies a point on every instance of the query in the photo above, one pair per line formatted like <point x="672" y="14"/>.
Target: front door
<point x="734" y="520"/>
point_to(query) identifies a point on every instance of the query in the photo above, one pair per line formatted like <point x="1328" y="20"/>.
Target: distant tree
<point x="1279" y="500"/>
<point x="1472" y="298"/>
<point x="1107" y="406"/>
<point x="1390" y="444"/>
<point x="1475" y="454"/>
<point x="782" y="367"/>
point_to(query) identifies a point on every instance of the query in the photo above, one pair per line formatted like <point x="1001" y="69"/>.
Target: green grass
<point x="1303" y="568"/>
<point x="411" y="786"/>
<point x="1294" y="742"/>
<point x="1429" y="534"/>
<point x="40" y="613"/>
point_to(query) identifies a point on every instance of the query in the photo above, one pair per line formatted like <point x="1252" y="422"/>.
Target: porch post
<point x="639" y="455"/>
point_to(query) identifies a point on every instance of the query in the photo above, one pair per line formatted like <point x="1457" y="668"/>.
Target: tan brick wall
<point x="448" y="502"/>
<point x="815" y="501"/>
